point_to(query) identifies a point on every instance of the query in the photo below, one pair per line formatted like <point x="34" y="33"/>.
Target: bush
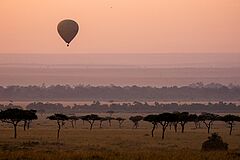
<point x="214" y="143"/>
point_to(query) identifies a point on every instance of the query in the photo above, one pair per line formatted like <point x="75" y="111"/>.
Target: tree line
<point x="14" y="116"/>
<point x="139" y="107"/>
<point x="182" y="118"/>
<point x="193" y="92"/>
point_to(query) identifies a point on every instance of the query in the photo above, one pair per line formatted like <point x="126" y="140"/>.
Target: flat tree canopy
<point x="15" y="115"/>
<point x="12" y="115"/>
<point x="29" y="116"/>
<point x="230" y="120"/>
<point x="135" y="120"/>
<point x="91" y="119"/>
<point x="152" y="119"/>
<point x="60" y="118"/>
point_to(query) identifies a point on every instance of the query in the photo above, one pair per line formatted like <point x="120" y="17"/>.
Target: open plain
<point x="112" y="142"/>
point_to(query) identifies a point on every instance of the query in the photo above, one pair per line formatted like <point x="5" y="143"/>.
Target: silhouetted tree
<point x="30" y="115"/>
<point x="183" y="119"/>
<point x="102" y="119"/>
<point x="164" y="119"/>
<point x="194" y="118"/>
<point x="175" y="121"/>
<point x="14" y="116"/>
<point x="60" y="118"/>
<point x="109" y="119"/>
<point x="91" y="119"/>
<point x="120" y="121"/>
<point x="136" y="120"/>
<point x="73" y="120"/>
<point x="152" y="119"/>
<point x="83" y="119"/>
<point x="208" y="119"/>
<point x="230" y="121"/>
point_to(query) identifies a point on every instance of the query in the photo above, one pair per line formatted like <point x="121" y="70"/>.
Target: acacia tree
<point x="208" y="119"/>
<point x="230" y="121"/>
<point x="136" y="120"/>
<point x="175" y="120"/>
<point x="30" y="115"/>
<point x="120" y="121"/>
<point x="164" y="119"/>
<point x="194" y="118"/>
<point x="83" y="119"/>
<point x="183" y="119"/>
<point x="102" y="119"/>
<point x="91" y="119"/>
<point x="73" y="120"/>
<point x="152" y="119"/>
<point x="109" y="119"/>
<point x="14" y="116"/>
<point x="60" y="118"/>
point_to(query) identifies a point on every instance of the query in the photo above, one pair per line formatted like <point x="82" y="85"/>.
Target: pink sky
<point x="130" y="26"/>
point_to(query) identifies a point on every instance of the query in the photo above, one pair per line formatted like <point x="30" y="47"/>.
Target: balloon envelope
<point x="68" y="29"/>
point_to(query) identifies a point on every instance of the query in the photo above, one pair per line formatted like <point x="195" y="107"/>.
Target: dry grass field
<point x="40" y="143"/>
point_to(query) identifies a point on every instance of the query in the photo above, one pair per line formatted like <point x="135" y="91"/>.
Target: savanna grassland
<point x="39" y="142"/>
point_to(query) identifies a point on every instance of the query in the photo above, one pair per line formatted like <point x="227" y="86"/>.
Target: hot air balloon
<point x="67" y="29"/>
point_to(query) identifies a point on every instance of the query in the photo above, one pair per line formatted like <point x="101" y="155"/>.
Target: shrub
<point x="214" y="143"/>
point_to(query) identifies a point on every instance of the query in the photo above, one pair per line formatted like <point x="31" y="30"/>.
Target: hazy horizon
<point x="124" y="42"/>
<point x="163" y="60"/>
<point x="119" y="69"/>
